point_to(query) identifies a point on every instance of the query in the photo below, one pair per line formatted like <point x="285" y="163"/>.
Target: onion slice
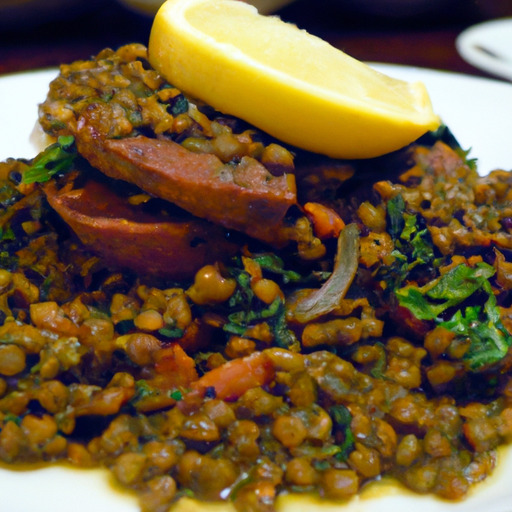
<point x="328" y="297"/>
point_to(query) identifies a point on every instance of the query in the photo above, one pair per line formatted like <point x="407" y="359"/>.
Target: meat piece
<point x="245" y="197"/>
<point x="126" y="237"/>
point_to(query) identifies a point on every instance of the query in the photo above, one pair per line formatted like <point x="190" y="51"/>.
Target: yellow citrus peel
<point x="285" y="81"/>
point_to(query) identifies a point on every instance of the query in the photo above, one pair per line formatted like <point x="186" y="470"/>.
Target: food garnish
<point x="55" y="159"/>
<point x="285" y="81"/>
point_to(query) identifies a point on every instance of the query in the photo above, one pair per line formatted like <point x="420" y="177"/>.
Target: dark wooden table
<point x="426" y="41"/>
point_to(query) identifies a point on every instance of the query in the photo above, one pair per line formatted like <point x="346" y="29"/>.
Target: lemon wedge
<point x="285" y="81"/>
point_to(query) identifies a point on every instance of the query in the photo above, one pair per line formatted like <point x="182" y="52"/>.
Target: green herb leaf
<point x="283" y="336"/>
<point x="415" y="241"/>
<point x="144" y="390"/>
<point x="245" y="309"/>
<point x="489" y="339"/>
<point x="449" y="290"/>
<point x="482" y="326"/>
<point x="274" y="264"/>
<point x="179" y="105"/>
<point x="176" y="395"/>
<point x="12" y="417"/>
<point x="7" y="234"/>
<point x="274" y="315"/>
<point x="413" y="245"/>
<point x="234" y="328"/>
<point x="57" y="158"/>
<point x="342" y="418"/>
<point x="171" y="332"/>
<point x="396" y="209"/>
<point x="377" y="372"/>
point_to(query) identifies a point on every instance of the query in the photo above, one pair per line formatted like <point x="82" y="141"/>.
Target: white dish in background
<point x="479" y="113"/>
<point x="477" y="110"/>
<point x="488" y="46"/>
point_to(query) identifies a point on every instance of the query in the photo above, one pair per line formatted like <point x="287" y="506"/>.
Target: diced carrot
<point x="174" y="368"/>
<point x="326" y="222"/>
<point x="232" y="379"/>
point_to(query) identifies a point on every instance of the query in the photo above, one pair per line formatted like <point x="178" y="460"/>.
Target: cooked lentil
<point x="168" y="383"/>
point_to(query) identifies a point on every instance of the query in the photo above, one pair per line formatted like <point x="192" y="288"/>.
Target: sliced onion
<point x="328" y="297"/>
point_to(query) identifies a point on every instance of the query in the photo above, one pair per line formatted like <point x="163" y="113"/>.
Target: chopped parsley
<point x="170" y="331"/>
<point x="245" y="309"/>
<point x="449" y="290"/>
<point x="144" y="390"/>
<point x="413" y="245"/>
<point x="341" y="419"/>
<point x="489" y="341"/>
<point x="55" y="159"/>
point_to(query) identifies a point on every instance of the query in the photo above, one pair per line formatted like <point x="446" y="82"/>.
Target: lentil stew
<point x="364" y="331"/>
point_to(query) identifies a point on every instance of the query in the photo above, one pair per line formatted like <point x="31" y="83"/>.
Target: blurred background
<point x="44" y="33"/>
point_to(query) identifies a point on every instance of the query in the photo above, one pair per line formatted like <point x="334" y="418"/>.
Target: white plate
<point x="20" y="95"/>
<point x="59" y="489"/>
<point x="477" y="110"/>
<point x="488" y="46"/>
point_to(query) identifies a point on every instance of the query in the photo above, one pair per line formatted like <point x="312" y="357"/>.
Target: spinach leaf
<point x="396" y="209"/>
<point x="245" y="309"/>
<point x="169" y="331"/>
<point x="489" y="340"/>
<point x="57" y="158"/>
<point x="413" y="246"/>
<point x="341" y="419"/>
<point x="274" y="264"/>
<point x="419" y="240"/>
<point x="449" y="290"/>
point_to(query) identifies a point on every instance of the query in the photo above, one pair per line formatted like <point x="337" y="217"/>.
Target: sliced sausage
<point x="243" y="196"/>
<point x="128" y="238"/>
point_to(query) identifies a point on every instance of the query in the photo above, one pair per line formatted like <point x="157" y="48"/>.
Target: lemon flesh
<point x="285" y="81"/>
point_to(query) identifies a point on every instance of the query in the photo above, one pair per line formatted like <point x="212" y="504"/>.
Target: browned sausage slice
<point x="168" y="247"/>
<point x="244" y="196"/>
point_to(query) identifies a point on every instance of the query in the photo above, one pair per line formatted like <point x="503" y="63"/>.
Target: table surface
<point x="426" y="41"/>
